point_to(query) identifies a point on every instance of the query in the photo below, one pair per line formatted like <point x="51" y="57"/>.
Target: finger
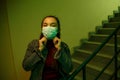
<point x="44" y="40"/>
<point x="56" y="40"/>
<point x="59" y="42"/>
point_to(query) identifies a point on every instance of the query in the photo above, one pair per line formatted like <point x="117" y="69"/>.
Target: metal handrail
<point x="83" y="65"/>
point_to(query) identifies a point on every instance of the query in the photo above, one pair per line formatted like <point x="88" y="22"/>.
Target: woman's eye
<point x="53" y="25"/>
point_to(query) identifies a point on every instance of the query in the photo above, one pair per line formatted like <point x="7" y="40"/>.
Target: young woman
<point x="48" y="58"/>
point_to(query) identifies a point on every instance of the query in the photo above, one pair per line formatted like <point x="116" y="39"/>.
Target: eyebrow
<point x="53" y="23"/>
<point x="44" y="23"/>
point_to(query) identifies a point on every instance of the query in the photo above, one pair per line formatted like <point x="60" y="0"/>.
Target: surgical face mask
<point x="50" y="32"/>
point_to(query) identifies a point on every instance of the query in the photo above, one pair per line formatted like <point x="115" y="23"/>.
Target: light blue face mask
<point x="50" y="32"/>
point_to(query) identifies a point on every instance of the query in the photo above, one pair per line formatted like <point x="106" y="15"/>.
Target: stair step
<point x="89" y="53"/>
<point x="106" y="31"/>
<point x="76" y="63"/>
<point x="108" y="49"/>
<point x="91" y="71"/>
<point x="117" y="14"/>
<point x="119" y="8"/>
<point x="111" y="25"/>
<point x="114" y="19"/>
<point x="99" y="60"/>
<point x="78" y="78"/>
<point x="101" y="38"/>
<point x="80" y="51"/>
<point x="94" y="66"/>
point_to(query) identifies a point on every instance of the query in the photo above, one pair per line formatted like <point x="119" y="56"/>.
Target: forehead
<point x="49" y="20"/>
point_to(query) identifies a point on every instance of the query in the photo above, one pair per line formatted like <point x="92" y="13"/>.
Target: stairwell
<point x="105" y="54"/>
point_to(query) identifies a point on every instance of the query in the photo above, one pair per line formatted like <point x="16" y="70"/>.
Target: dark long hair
<point x="58" y="22"/>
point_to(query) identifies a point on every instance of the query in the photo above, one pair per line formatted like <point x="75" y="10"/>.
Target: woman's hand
<point x="42" y="43"/>
<point x="57" y="43"/>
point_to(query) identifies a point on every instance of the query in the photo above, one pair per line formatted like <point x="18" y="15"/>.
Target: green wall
<point x="78" y="17"/>
<point x="7" y="67"/>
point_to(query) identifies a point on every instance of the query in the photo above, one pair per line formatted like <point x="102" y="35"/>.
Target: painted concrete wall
<point x="7" y="65"/>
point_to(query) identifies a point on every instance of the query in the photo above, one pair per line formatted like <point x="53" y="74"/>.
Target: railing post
<point x="116" y="60"/>
<point x="84" y="73"/>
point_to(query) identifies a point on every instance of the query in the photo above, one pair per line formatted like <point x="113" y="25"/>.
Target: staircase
<point x="87" y="47"/>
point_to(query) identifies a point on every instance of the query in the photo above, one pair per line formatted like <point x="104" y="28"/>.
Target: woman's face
<point x="49" y="21"/>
